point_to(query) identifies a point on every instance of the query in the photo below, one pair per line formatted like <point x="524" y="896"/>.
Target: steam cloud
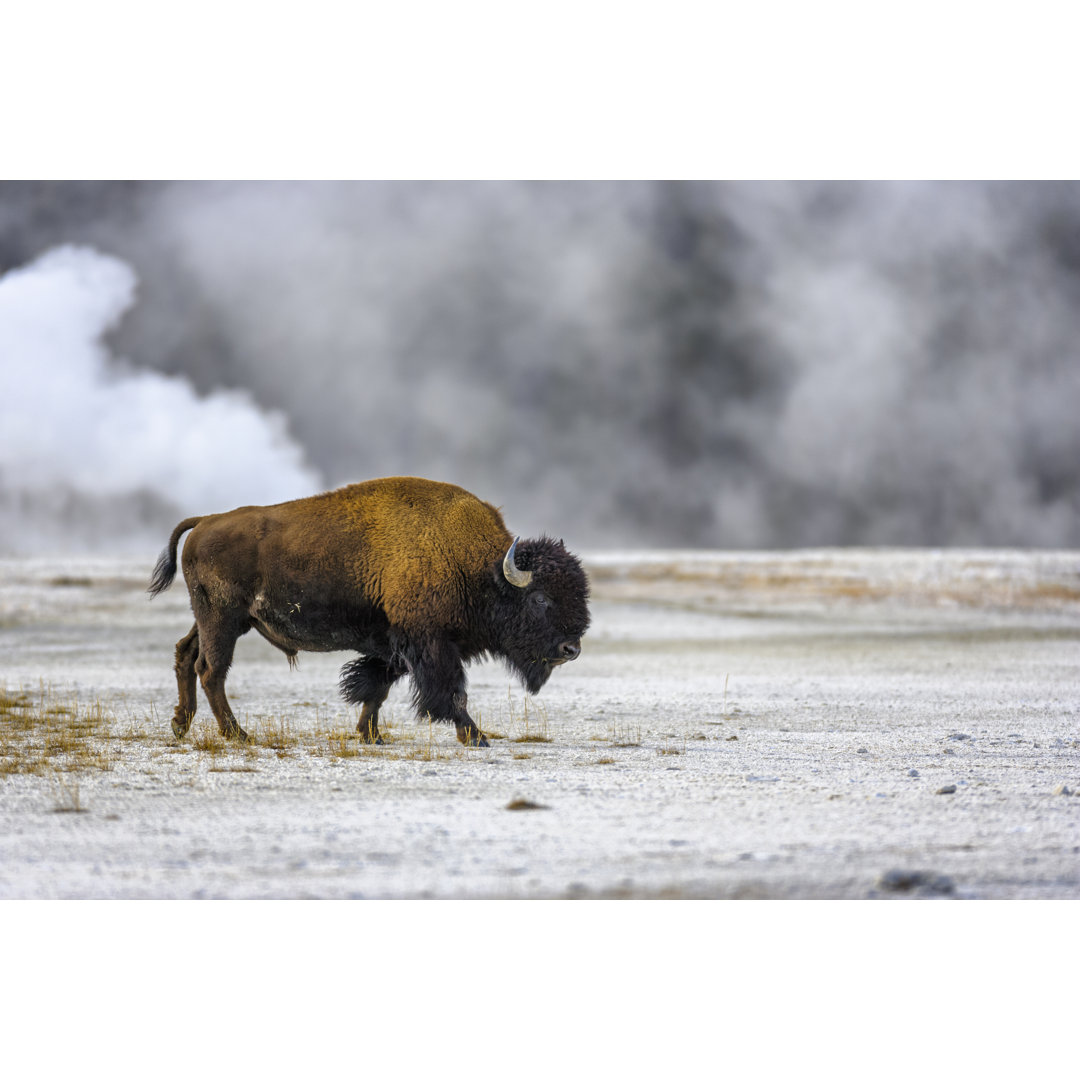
<point x="620" y="364"/>
<point x="78" y="429"/>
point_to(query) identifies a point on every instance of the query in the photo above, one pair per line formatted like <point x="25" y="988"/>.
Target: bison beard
<point x="418" y="577"/>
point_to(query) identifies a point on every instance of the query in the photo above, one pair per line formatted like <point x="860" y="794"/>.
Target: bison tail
<point x="165" y="569"/>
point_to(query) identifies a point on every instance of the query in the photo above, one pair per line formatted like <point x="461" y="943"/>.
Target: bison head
<point x="543" y="611"/>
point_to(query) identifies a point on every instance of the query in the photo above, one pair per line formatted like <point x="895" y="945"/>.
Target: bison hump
<point x="428" y="547"/>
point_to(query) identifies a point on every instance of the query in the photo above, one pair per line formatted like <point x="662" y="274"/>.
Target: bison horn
<point x="520" y="578"/>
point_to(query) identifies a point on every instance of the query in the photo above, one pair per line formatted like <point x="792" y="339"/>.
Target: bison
<point x="416" y="576"/>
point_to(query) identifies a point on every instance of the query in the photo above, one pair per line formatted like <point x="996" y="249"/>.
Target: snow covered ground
<point x="821" y="724"/>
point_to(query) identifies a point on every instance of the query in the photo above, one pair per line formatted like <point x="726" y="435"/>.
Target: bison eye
<point x="539" y="601"/>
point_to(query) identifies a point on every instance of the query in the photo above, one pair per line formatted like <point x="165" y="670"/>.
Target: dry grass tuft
<point x="275" y="734"/>
<point x="208" y="739"/>
<point x="428" y="746"/>
<point x="45" y="732"/>
<point x="419" y="741"/>
<point x="624" y="736"/>
<point x="344" y="744"/>
<point x="69" y="803"/>
<point x="534" y="729"/>
<point x="41" y="733"/>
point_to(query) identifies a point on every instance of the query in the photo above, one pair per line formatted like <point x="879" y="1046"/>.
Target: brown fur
<point x="385" y="542"/>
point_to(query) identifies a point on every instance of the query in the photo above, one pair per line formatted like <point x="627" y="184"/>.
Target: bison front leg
<point x="439" y="677"/>
<point x="467" y="731"/>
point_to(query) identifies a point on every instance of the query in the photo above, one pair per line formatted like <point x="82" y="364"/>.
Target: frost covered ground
<point x="830" y="724"/>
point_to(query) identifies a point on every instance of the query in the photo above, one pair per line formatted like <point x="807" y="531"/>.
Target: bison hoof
<point x="180" y="729"/>
<point x="237" y="733"/>
<point x="473" y="737"/>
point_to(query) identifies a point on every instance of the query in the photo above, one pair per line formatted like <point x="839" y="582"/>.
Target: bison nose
<point x="569" y="650"/>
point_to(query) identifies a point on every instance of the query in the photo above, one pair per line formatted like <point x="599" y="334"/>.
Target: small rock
<point x="862" y="750"/>
<point x="948" y="789"/>
<point x="732" y="738"/>
<point x="958" y="737"/>
<point x="913" y="772"/>
<point x="922" y="880"/>
<point x="1061" y="789"/>
<point x="525" y="804"/>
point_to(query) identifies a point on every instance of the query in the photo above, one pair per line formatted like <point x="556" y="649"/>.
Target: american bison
<point x="414" y="575"/>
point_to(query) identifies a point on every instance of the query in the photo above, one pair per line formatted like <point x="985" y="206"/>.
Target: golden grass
<point x="423" y="743"/>
<point x="532" y="729"/>
<point x="69" y="801"/>
<point x="209" y="740"/>
<point x="275" y="734"/>
<point x="333" y="737"/>
<point x="624" y="736"/>
<point x="41" y="732"/>
<point x="344" y="744"/>
<point x="722" y="582"/>
<point x="45" y="731"/>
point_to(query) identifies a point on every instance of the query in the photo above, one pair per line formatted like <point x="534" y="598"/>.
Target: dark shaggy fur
<point x="406" y="572"/>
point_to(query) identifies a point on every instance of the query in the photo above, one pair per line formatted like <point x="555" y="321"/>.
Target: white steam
<point x="733" y="365"/>
<point x="75" y="425"/>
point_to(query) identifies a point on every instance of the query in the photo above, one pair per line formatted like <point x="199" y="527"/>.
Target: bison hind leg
<point x="217" y="640"/>
<point x="187" y="652"/>
<point x="366" y="682"/>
